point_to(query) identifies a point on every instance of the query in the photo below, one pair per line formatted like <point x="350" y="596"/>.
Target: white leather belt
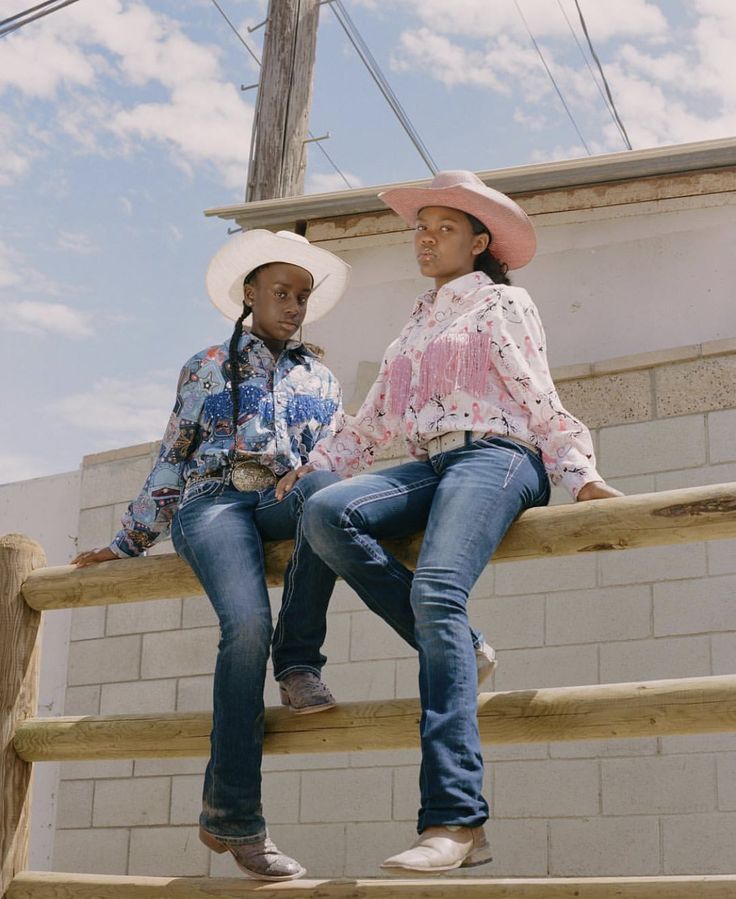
<point x="454" y="439"/>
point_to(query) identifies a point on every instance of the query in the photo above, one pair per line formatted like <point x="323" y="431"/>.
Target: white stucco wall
<point x="46" y="509"/>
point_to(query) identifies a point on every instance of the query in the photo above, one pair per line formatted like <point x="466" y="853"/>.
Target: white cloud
<point x="17" y="273"/>
<point x="76" y="242"/>
<point x="329" y="182"/>
<point x="36" y="317"/>
<point x="123" y="411"/>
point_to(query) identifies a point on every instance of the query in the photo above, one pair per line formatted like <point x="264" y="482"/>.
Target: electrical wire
<point x="622" y="129"/>
<point x="26" y="18"/>
<point x="26" y="12"/>
<point x="258" y="63"/>
<point x="592" y="73"/>
<point x="552" y="78"/>
<point x="363" y="51"/>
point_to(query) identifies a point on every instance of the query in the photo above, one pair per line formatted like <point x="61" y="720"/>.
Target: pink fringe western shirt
<point x="472" y="357"/>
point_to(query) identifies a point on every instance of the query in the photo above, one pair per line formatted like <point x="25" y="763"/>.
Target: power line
<point x="592" y="74"/>
<point x="258" y="63"/>
<point x="552" y="78"/>
<point x="361" y="48"/>
<point x="605" y="82"/>
<point x="26" y="18"/>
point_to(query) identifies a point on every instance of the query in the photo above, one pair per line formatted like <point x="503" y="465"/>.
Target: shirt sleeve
<point x="373" y="426"/>
<point x="149" y="515"/>
<point x="520" y="357"/>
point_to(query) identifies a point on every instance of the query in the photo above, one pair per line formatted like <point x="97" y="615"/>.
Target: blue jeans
<point x="219" y="532"/>
<point x="465" y="500"/>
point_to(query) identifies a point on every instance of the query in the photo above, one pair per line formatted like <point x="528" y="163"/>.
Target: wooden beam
<point x="19" y="659"/>
<point x="628" y="522"/>
<point x="596" y="712"/>
<point x="48" y="885"/>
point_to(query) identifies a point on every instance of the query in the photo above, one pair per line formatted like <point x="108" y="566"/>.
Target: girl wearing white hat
<point x="468" y="387"/>
<point x="246" y="412"/>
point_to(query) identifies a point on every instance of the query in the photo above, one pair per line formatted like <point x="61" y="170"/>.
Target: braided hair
<point x="486" y="261"/>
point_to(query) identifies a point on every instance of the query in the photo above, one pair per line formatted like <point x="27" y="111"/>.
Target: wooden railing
<point x="607" y="711"/>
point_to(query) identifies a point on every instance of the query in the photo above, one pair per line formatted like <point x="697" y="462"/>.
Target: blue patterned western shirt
<point x="286" y="406"/>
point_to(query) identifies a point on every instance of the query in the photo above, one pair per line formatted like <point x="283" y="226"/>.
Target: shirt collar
<point x="465" y="283"/>
<point x="295" y="347"/>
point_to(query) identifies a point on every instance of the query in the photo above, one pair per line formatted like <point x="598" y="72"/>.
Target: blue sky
<point x="121" y="120"/>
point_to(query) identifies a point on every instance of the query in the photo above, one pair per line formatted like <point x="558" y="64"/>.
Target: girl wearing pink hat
<point x="467" y="386"/>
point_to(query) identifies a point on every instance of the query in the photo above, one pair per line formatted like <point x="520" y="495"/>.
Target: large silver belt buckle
<point x="251" y="476"/>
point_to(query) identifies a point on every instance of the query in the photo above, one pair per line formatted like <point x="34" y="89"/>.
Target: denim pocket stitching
<point x="207" y="487"/>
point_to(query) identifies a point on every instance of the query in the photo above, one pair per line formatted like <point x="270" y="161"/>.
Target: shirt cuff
<point x="575" y="481"/>
<point x="120" y="546"/>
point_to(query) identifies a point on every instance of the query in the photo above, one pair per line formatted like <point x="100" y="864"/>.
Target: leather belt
<point x="243" y="476"/>
<point x="454" y="439"/>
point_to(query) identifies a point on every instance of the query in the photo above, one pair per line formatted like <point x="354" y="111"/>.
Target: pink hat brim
<point x="514" y="241"/>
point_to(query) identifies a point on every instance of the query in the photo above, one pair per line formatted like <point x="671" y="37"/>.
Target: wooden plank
<point x="594" y="712"/>
<point x="19" y="661"/>
<point x="627" y="522"/>
<point x="46" y="885"/>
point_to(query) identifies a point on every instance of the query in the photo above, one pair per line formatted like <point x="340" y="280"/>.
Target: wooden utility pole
<point x="284" y="98"/>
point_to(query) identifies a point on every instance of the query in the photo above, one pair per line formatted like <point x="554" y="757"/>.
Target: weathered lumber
<point x="596" y="712"/>
<point x="627" y="522"/>
<point x="47" y="885"/>
<point x="19" y="660"/>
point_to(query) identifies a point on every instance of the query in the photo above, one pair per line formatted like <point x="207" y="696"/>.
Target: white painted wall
<point x="46" y="509"/>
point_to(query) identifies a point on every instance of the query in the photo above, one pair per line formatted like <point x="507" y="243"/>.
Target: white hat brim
<point x="251" y="249"/>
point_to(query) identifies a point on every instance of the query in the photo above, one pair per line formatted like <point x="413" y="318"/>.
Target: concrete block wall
<point x="640" y="807"/>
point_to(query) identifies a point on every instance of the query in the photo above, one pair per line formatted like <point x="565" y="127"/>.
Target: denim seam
<point x="298" y="542"/>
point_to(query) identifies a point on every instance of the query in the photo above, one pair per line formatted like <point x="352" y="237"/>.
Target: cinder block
<point x="698" y="743"/>
<point x="168" y="767"/>
<point x="356" y="795"/>
<point x="591" y="749"/>
<point x="367" y="845"/>
<point x="82" y="700"/>
<point x="91" y="851"/>
<point x="485" y="585"/>
<point x="634" y="484"/>
<point x="609" y="399"/>
<point x="389" y="758"/>
<point x="699" y="844"/>
<point x="514" y="752"/>
<point x="406" y="793"/>
<point x="74" y="805"/>
<point x="96" y="527"/>
<point x="546" y="575"/>
<point x="131" y="802"/>
<point x="88" y="623"/>
<point x="612" y="847"/>
<point x="138" y="697"/>
<point x="104" y="661"/>
<point x="545" y="789"/>
<point x="197" y="611"/>
<point x="337" y="644"/>
<point x="724" y="653"/>
<point x="553" y="666"/>
<point x="174" y="653"/>
<point x="95" y="769"/>
<point x="695" y="606"/>
<point x="372" y="638"/>
<point x="139" y="617"/>
<point x="281" y="793"/>
<point x="721" y="432"/>
<point x="313" y="761"/>
<point x="653" y="563"/>
<point x="695" y="386"/>
<point x="186" y="799"/>
<point x="655" y="659"/>
<point x="658" y="785"/>
<point x="653" y="446"/>
<point x="113" y="482"/>
<point x="519" y="849"/>
<point x="319" y="847"/>
<point x="168" y="851"/>
<point x="696" y="477"/>
<point x="509" y="622"/>
<point x="721" y="556"/>
<point x="345" y="599"/>
<point x="361" y="681"/>
<point x="195" y="694"/>
<point x="407" y="678"/>
<point x="592" y="616"/>
<point x="726" y="767"/>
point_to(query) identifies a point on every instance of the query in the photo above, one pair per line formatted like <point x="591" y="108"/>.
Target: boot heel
<point x="283" y="693"/>
<point x="479" y="855"/>
<point x="211" y="842"/>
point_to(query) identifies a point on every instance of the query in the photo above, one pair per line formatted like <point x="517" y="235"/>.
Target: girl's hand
<point x="596" y="490"/>
<point x="93" y="556"/>
<point x="290" y="478"/>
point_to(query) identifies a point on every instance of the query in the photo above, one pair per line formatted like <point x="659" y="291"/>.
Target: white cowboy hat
<point x="248" y="250"/>
<point x="513" y="240"/>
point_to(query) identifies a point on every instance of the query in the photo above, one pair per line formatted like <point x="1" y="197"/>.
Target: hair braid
<point x="486" y="261"/>
<point x="235" y="369"/>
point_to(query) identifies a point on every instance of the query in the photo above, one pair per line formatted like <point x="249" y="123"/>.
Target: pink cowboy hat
<point x="513" y="239"/>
